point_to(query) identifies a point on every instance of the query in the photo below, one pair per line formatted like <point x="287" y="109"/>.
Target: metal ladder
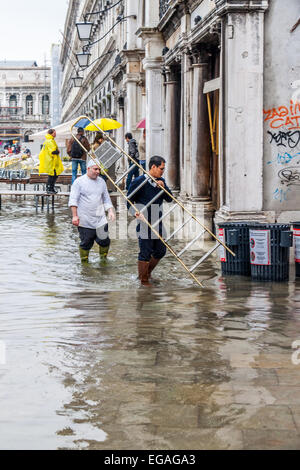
<point x="106" y="156"/>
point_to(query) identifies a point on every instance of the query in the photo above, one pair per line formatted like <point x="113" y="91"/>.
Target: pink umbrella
<point x="141" y="124"/>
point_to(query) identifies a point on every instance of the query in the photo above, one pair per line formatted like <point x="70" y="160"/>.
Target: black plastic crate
<point x="270" y="251"/>
<point x="236" y="237"/>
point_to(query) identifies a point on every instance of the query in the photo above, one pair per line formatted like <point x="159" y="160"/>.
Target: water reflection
<point x="94" y="361"/>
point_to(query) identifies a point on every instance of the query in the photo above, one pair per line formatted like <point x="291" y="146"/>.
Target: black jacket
<point x="145" y="195"/>
<point x="133" y="150"/>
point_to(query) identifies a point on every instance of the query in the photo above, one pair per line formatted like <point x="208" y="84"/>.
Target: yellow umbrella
<point x="105" y="124"/>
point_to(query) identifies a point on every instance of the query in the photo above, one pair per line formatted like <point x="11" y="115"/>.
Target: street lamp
<point x="84" y="30"/>
<point x="83" y="59"/>
<point x="77" y="81"/>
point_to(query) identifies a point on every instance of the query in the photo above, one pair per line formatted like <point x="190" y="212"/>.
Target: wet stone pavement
<point x="93" y="361"/>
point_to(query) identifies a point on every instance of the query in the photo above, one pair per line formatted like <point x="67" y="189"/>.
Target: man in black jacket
<point x="77" y="153"/>
<point x="152" y="249"/>
<point x="134" y="153"/>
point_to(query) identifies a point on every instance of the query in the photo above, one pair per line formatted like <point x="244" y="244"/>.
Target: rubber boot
<point x="84" y="255"/>
<point x="103" y="252"/>
<point x="152" y="264"/>
<point x="143" y="268"/>
<point x="51" y="189"/>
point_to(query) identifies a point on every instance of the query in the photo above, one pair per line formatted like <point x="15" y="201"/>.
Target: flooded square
<point x="94" y="361"/>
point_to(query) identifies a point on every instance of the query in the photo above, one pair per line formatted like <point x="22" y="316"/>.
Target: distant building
<point x="24" y="100"/>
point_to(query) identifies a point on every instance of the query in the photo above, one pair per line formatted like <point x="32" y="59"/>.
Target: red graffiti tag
<point x="288" y="117"/>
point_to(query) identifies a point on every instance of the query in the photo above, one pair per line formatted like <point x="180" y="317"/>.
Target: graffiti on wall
<point x="290" y="139"/>
<point x="283" y="133"/>
<point x="284" y="116"/>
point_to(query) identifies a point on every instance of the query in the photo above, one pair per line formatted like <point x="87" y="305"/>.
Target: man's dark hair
<point x="128" y="136"/>
<point x="80" y="130"/>
<point x="51" y="131"/>
<point x="156" y="161"/>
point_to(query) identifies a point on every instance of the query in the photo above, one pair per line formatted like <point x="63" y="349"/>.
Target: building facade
<point x="218" y="82"/>
<point x="113" y="85"/>
<point x="24" y="100"/>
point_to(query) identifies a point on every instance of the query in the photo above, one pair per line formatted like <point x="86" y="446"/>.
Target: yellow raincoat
<point x="48" y="161"/>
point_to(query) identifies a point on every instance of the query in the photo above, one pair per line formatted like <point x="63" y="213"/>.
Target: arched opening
<point x="27" y="135"/>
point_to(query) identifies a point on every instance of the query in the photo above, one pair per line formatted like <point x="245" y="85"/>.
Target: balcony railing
<point x="10" y="113"/>
<point x="163" y="7"/>
<point x="11" y="117"/>
<point x="36" y="117"/>
<point x="24" y="117"/>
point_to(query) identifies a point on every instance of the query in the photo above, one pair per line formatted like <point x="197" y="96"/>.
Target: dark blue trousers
<point x="133" y="173"/>
<point x="88" y="236"/>
<point x="149" y="248"/>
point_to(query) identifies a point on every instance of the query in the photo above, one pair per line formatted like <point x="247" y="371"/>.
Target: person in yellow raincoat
<point x="50" y="161"/>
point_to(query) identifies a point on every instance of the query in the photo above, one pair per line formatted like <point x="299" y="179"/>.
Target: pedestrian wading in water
<point x="77" y="153"/>
<point x="50" y="161"/>
<point x="89" y="200"/>
<point x="152" y="249"/>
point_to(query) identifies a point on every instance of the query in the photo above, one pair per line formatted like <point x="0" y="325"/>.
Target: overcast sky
<point x="29" y="27"/>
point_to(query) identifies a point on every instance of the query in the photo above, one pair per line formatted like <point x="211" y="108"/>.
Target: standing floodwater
<point x="92" y="360"/>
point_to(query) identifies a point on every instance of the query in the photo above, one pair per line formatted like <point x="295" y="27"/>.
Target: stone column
<point x="23" y="104"/>
<point x="200" y="158"/>
<point x="154" y="107"/>
<point x="120" y="115"/>
<point x="131" y="104"/>
<point x="131" y="80"/>
<point x="132" y="9"/>
<point x="242" y="112"/>
<point x="185" y="133"/>
<point x="172" y="130"/>
<point x="154" y="80"/>
<point x="151" y="13"/>
<point x="36" y="105"/>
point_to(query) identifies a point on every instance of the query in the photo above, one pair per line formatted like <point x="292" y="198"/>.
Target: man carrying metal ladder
<point x="146" y="191"/>
<point x="149" y="197"/>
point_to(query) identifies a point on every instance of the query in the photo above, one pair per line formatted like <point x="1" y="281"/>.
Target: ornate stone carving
<point x="224" y="6"/>
<point x="163" y="7"/>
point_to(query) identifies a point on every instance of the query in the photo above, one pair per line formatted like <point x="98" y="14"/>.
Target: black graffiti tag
<point x="290" y="176"/>
<point x="285" y="139"/>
